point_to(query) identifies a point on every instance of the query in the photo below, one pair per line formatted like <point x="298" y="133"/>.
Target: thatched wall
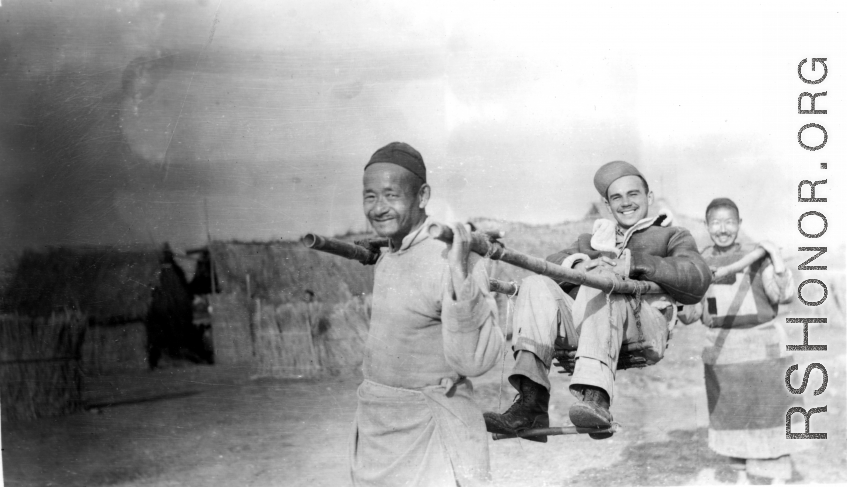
<point x="280" y="272"/>
<point x="40" y="373"/>
<point x="115" y="347"/>
<point x="231" y="329"/>
<point x="341" y="345"/>
<point x="108" y="284"/>
<point x="285" y="345"/>
<point x="306" y="339"/>
<point x="279" y="275"/>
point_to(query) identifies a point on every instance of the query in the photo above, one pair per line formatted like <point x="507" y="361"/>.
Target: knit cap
<point x="403" y="155"/>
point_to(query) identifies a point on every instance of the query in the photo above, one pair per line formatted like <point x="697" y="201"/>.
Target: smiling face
<point x="628" y="199"/>
<point x="394" y="200"/>
<point x="723" y="224"/>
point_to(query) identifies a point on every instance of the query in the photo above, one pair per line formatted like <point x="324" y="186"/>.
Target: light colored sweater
<point x="419" y="334"/>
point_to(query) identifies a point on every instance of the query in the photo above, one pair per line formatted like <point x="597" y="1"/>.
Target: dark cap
<point x="402" y="154"/>
<point x="722" y="203"/>
<point x="611" y="172"/>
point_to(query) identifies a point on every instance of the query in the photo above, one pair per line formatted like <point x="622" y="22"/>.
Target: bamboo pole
<point x="343" y="249"/>
<point x="482" y="245"/>
<point x="372" y="243"/>
<point x="503" y="287"/>
<point x="752" y="257"/>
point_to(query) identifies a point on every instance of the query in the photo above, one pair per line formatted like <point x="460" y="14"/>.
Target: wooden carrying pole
<point x="343" y="249"/>
<point x="361" y="252"/>
<point x="483" y="245"/>
<point x="752" y="257"/>
<point x="503" y="287"/>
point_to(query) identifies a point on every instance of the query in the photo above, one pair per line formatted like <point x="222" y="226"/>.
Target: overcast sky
<point x="121" y="122"/>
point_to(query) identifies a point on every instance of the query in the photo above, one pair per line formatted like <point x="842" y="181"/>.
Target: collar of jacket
<point x="414" y="237"/>
<point x="621" y="245"/>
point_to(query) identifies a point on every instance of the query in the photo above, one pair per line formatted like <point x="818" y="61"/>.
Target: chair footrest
<point x="557" y="430"/>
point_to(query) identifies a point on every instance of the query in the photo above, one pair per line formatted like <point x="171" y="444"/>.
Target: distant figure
<point x="433" y="325"/>
<point x="202" y="283"/>
<point x="634" y="246"/>
<point x="317" y="324"/>
<point x="169" y="319"/>
<point x="745" y="360"/>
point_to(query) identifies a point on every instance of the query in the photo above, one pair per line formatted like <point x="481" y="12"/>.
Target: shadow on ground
<point x="139" y="400"/>
<point x="678" y="461"/>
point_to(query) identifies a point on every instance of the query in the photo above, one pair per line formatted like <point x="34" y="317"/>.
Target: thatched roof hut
<point x="135" y="299"/>
<point x="263" y="287"/>
<point x="109" y="284"/>
<point x="280" y="272"/>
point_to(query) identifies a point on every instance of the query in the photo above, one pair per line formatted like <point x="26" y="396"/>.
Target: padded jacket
<point x="667" y="256"/>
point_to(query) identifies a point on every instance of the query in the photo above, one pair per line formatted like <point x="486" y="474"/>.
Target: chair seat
<point x="564" y="356"/>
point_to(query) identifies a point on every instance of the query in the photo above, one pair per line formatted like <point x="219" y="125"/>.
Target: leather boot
<point x="592" y="411"/>
<point x="529" y="410"/>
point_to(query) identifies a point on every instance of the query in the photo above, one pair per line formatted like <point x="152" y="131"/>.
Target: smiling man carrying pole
<point x="745" y="356"/>
<point x="433" y="324"/>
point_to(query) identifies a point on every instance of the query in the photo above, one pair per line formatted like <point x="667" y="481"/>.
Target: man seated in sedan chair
<point x="596" y="325"/>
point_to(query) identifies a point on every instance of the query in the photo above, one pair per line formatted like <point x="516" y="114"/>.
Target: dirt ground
<point x="209" y="426"/>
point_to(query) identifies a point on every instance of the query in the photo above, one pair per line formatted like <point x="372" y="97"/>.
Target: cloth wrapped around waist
<point x="745" y="389"/>
<point x="418" y="437"/>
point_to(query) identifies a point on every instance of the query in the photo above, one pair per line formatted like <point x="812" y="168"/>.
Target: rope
<point x="637" y="311"/>
<point x="515" y="284"/>
<point x="490" y="251"/>
<point x="611" y="318"/>
<point x="503" y="366"/>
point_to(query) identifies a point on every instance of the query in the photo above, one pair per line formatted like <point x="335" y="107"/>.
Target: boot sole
<point x="599" y="436"/>
<point x="493" y="427"/>
<point x="584" y="416"/>
<point x="543" y="422"/>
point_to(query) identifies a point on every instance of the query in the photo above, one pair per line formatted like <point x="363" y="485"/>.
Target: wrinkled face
<point x="723" y="224"/>
<point x="628" y="200"/>
<point x="393" y="200"/>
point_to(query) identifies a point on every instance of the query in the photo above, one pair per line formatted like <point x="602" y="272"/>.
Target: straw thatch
<point x="273" y="334"/>
<point x="306" y="339"/>
<point x="285" y="345"/>
<point x="341" y="344"/>
<point x="281" y="272"/>
<point x="114" y="287"/>
<point x="40" y="365"/>
<point x="109" y="284"/>
<point x="231" y="329"/>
